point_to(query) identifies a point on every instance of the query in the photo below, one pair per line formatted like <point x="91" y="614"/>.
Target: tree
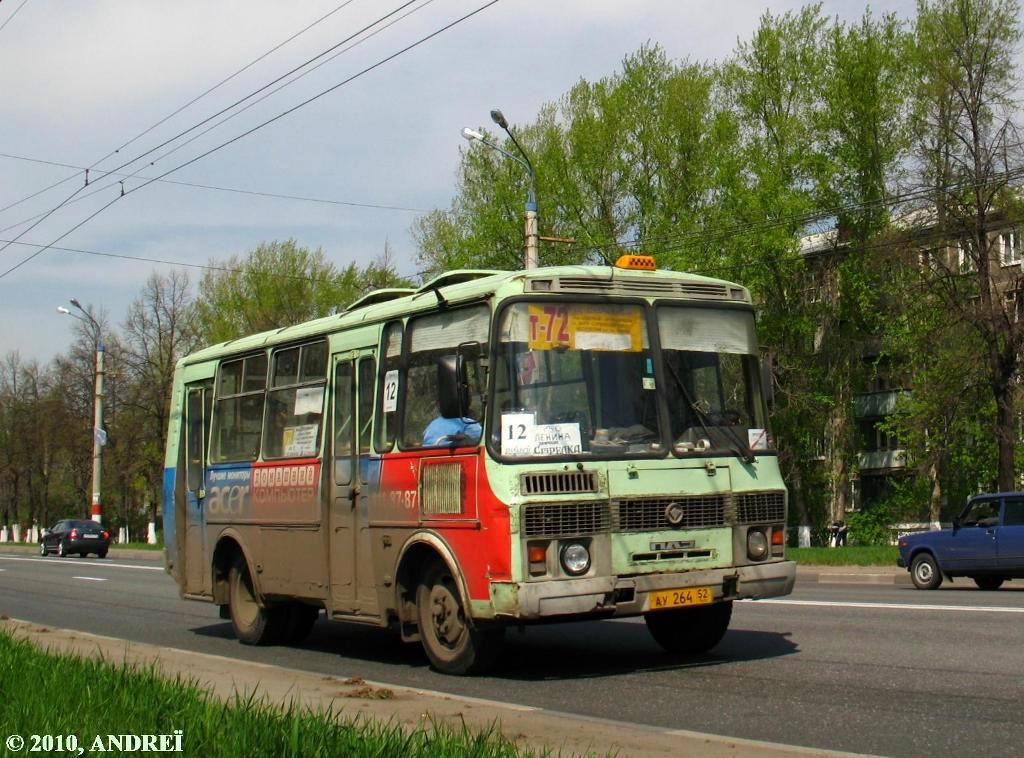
<point x="277" y="284"/>
<point x="157" y="331"/>
<point x="966" y="150"/>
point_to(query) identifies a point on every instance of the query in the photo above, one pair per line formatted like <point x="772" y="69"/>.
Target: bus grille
<point x="621" y="285"/>
<point x="441" y="488"/>
<point x="760" y="507"/>
<point x="551" y="520"/>
<point x="559" y="483"/>
<point x="648" y="514"/>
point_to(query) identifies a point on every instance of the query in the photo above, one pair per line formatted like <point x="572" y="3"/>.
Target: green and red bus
<point x="494" y="448"/>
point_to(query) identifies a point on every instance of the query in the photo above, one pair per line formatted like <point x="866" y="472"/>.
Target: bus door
<point x="353" y="586"/>
<point x="198" y="403"/>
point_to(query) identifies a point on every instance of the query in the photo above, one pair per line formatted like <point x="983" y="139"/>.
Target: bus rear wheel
<point x="253" y="624"/>
<point x="690" y="631"/>
<point x="451" y="642"/>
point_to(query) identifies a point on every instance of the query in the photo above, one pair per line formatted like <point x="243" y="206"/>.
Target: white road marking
<point x="89" y="578"/>
<point x="70" y="562"/>
<point x="890" y="606"/>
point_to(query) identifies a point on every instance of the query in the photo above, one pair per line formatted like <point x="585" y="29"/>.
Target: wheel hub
<point x="446" y="615"/>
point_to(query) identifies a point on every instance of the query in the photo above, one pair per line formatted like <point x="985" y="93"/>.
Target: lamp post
<point x="99" y="436"/>
<point x="530" y="257"/>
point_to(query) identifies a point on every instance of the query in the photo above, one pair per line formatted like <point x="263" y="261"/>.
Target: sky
<point x="80" y="80"/>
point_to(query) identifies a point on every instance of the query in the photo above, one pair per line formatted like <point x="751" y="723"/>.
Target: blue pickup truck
<point x="986" y="544"/>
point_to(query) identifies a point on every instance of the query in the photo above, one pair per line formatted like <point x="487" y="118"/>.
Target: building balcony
<point x="877" y="404"/>
<point x="882" y="460"/>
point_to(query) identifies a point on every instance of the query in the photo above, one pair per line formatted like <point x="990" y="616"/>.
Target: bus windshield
<point x="711" y="369"/>
<point x="579" y="379"/>
<point x="575" y="379"/>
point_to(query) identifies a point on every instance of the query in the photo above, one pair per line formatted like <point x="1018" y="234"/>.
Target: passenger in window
<point x="450" y="428"/>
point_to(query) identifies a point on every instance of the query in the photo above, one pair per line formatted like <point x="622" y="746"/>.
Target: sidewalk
<point x="412" y="708"/>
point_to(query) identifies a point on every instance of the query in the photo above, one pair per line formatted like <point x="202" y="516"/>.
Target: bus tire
<point x="690" y="631"/>
<point x="253" y="625"/>
<point x="451" y="642"/>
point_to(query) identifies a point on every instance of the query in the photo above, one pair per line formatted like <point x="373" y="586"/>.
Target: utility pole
<point x="99" y="435"/>
<point x="531" y="237"/>
<point x="98" y="439"/>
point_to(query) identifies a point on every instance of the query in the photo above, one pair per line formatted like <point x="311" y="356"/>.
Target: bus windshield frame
<point x="594" y="379"/>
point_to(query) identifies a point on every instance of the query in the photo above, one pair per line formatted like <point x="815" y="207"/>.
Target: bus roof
<point x="465" y="285"/>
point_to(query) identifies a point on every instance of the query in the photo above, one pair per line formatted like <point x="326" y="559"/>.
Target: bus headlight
<point x="757" y="545"/>
<point x="575" y="558"/>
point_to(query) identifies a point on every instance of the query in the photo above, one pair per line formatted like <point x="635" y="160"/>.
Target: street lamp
<point x="99" y="436"/>
<point x="530" y="258"/>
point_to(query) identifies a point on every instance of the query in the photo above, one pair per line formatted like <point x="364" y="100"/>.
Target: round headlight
<point x="757" y="545"/>
<point x="575" y="559"/>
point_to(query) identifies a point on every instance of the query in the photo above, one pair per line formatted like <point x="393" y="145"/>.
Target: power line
<point x="143" y="259"/>
<point x="68" y="199"/>
<point x="294" y="108"/>
<point x="9" y="18"/>
<point x="329" y="201"/>
<point x="288" y="83"/>
<point x="194" y="100"/>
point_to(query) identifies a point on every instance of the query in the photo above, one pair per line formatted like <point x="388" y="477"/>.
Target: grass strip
<point x="48" y="693"/>
<point x="851" y="555"/>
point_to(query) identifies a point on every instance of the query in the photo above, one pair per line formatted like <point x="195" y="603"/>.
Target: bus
<point x="492" y="449"/>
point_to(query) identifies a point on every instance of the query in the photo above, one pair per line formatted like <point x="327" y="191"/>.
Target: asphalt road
<point x="878" y="669"/>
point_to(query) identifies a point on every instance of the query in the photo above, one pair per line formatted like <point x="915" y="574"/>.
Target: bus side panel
<point x="170" y="531"/>
<point x="478" y="535"/>
<point x="172" y="462"/>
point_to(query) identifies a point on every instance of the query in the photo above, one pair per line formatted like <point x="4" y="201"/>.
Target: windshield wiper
<point x="702" y="417"/>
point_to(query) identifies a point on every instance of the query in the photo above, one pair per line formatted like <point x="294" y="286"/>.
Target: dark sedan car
<point x="76" y="536"/>
<point x="986" y="544"/>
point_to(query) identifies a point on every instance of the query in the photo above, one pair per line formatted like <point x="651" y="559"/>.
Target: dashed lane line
<point x="891" y="606"/>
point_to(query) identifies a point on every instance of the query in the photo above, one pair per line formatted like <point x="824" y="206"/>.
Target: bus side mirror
<point x="452" y="386"/>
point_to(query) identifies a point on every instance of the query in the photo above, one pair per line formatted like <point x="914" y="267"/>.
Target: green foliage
<point x="63" y="694"/>
<point x="849" y="555"/>
<point x="275" y="285"/>
<point x="870" y="526"/>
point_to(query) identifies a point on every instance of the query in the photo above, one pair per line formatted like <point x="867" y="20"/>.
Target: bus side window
<point x="344" y="428"/>
<point x="196" y="442"/>
<point x="390" y="387"/>
<point x="238" y="415"/>
<point x="367" y="374"/>
<point x="295" y="402"/>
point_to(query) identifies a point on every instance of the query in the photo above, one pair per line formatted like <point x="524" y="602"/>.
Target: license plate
<point x="663" y="599"/>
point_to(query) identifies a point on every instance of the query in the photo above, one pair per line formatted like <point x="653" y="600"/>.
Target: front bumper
<point x="628" y="596"/>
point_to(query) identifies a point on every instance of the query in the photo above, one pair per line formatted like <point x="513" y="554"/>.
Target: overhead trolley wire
<point x="194" y="100"/>
<point x="246" y="133"/>
<point x="68" y="199"/>
<point x="11" y="17"/>
<point x="374" y="206"/>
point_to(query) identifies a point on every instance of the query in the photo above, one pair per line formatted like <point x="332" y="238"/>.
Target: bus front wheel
<point x="690" y="631"/>
<point x="253" y="624"/>
<point x="451" y="642"/>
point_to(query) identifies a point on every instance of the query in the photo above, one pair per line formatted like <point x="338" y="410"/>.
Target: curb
<point x="839" y="575"/>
